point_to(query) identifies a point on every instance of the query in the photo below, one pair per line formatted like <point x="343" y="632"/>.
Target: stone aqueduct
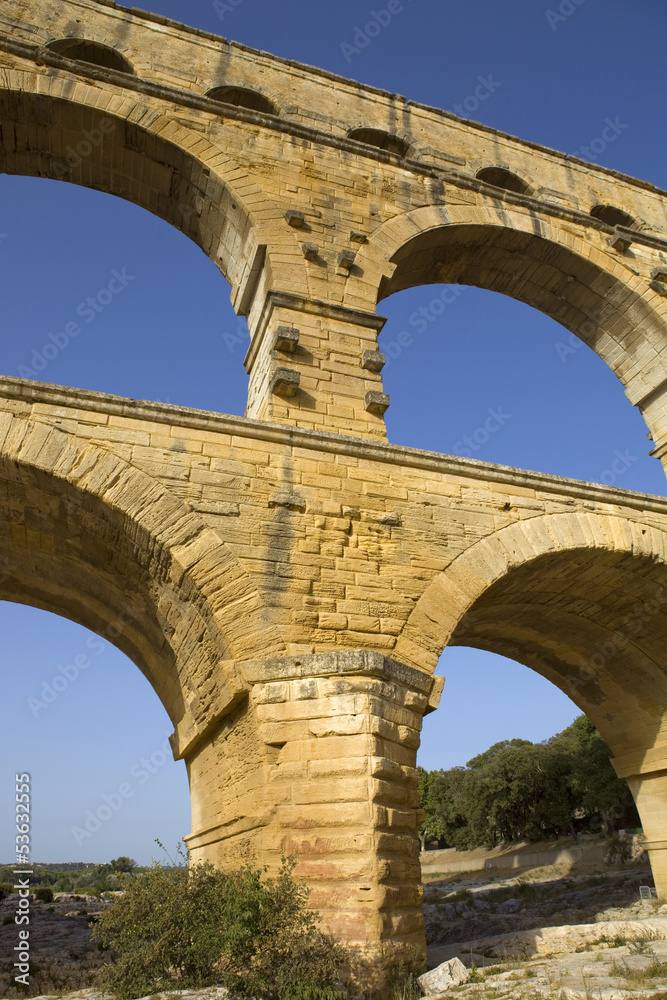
<point x="287" y="580"/>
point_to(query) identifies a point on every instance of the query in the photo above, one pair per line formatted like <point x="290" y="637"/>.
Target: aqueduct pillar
<point x="294" y="577"/>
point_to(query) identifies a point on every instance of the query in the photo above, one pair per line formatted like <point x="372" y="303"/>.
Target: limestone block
<point x="442" y="978"/>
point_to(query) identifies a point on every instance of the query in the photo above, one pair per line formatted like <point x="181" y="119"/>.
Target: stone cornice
<point x="30" y="393"/>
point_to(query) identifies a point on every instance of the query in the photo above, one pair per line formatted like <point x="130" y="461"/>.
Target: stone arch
<point x="93" y="52"/>
<point x="504" y="178"/>
<point x="391" y="142"/>
<point x="243" y="97"/>
<point x="567" y="273"/>
<point x="90" y="537"/>
<point x="579" y="597"/>
<point x="611" y="215"/>
<point x="57" y="127"/>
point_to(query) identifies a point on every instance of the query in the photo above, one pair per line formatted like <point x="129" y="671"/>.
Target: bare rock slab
<point x="440" y="979"/>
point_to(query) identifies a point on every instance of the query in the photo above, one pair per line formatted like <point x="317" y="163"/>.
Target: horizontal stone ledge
<point x="347" y="661"/>
<point x="233" y="828"/>
<point x="174" y="416"/>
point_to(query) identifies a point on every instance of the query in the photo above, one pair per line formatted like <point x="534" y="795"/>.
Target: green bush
<point x="177" y="928"/>
<point x="44" y="894"/>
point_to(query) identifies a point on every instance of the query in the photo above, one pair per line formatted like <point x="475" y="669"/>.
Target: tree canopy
<point x="518" y="790"/>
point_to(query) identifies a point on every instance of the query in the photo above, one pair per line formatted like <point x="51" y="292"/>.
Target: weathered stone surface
<point x="510" y="906"/>
<point x="229" y="556"/>
<point x="441" y="979"/>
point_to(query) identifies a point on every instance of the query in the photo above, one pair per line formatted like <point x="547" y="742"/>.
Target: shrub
<point x="177" y="928"/>
<point x="619" y="850"/>
<point x="44" y="894"/>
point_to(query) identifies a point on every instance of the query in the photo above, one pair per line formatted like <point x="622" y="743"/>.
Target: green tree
<point x="522" y="790"/>
<point x="123" y="864"/>
<point x="448" y="799"/>
<point x="431" y="827"/>
<point x="601" y="793"/>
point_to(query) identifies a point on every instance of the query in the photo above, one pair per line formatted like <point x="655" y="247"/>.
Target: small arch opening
<point x="612" y="216"/>
<point x="242" y="97"/>
<point x="377" y="137"/>
<point x="501" y="178"/>
<point x="94" y="53"/>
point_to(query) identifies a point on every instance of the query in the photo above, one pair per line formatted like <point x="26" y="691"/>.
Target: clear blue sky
<point x="558" y="77"/>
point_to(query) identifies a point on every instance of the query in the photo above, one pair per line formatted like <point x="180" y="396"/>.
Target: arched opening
<point x="476" y="374"/>
<point x="599" y="308"/>
<point x="100" y="294"/>
<point x="388" y="141"/>
<point x="243" y="97"/>
<point x="57" y="138"/>
<point x="523" y="747"/>
<point x="590" y="620"/>
<point x="500" y="177"/>
<point x="612" y="216"/>
<point x="95" y="53"/>
<point x="84" y="723"/>
<point x="581" y="600"/>
<point x="90" y="537"/>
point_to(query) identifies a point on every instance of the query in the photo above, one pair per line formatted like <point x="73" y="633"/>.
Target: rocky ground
<point x="63" y="957"/>
<point x="546" y="933"/>
<point x="585" y="935"/>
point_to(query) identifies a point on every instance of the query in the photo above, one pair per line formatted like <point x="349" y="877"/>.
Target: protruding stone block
<point x="346" y="259"/>
<point x="377" y="402"/>
<point x="621" y="239"/>
<point x="287" y="337"/>
<point x="285" y="382"/>
<point x="311" y="251"/>
<point x="289" y="499"/>
<point x="373" y="361"/>
<point x="295" y="218"/>
<point x="659" y="280"/>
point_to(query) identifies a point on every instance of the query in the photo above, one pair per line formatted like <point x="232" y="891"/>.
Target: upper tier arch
<point x="54" y="127"/>
<point x="569" y="274"/>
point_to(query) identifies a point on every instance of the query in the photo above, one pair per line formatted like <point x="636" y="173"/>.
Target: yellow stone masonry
<point x="288" y="580"/>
